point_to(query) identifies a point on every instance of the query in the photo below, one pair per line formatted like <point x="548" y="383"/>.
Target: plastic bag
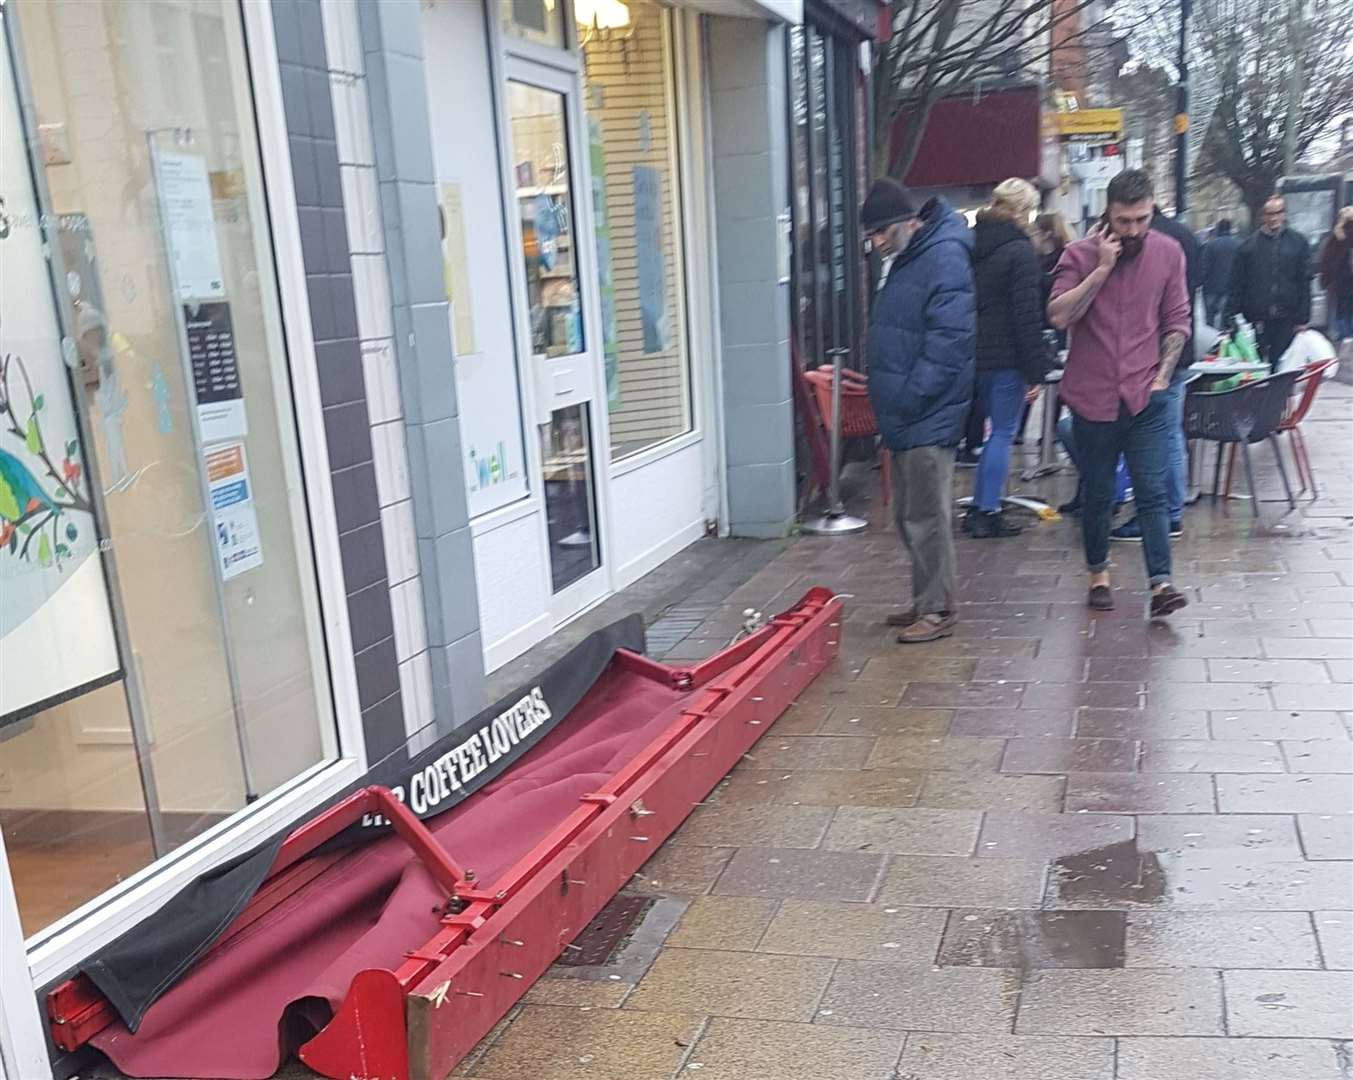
<point x="1205" y="337"/>
<point x="1308" y="347"/>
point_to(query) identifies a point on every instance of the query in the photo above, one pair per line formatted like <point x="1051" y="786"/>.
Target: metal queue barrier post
<point x="835" y="521"/>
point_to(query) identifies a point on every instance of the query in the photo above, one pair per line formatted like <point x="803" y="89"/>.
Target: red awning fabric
<point x="977" y="139"/>
<point x="247" y="1005"/>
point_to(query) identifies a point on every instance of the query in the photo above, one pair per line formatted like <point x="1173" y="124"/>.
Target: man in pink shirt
<point x="1121" y="293"/>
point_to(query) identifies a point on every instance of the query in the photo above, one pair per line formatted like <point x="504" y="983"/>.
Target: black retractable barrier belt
<point x="145" y="961"/>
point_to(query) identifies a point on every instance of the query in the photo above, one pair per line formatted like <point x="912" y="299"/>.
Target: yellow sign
<point x="1083" y="123"/>
<point x="1181" y="123"/>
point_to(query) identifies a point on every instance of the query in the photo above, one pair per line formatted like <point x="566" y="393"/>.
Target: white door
<point x="549" y="186"/>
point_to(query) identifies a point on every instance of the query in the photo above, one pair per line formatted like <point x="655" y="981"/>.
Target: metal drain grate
<point x="603" y="935"/>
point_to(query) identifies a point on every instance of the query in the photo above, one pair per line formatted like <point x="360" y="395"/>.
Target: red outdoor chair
<point x="857" y="415"/>
<point x="1297" y="406"/>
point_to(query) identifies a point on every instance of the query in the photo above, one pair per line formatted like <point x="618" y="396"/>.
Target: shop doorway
<point x="544" y="154"/>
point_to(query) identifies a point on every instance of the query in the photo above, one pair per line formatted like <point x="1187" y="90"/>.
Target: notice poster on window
<point x="605" y="274"/>
<point x="189" y="224"/>
<point x="215" y="369"/>
<point x="486" y="376"/>
<point x="456" y="270"/>
<point x="232" y="509"/>
<point x="56" y="631"/>
<point x="649" y="255"/>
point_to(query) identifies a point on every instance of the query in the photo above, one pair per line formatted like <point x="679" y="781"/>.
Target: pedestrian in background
<point x="1336" y="273"/>
<point x="1050" y="236"/>
<point x="1271" y="282"/>
<point x="1011" y="353"/>
<point x="921" y="335"/>
<point x="1123" y="292"/>
<point x="1219" y="258"/>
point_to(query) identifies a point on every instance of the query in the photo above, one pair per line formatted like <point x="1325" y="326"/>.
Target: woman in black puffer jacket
<point x="1010" y="349"/>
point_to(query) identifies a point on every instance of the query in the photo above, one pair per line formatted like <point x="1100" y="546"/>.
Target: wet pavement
<point x="1055" y="846"/>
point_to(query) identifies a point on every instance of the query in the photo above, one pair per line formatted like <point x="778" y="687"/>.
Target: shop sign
<point x="1090" y="125"/>
<point x="56" y="632"/>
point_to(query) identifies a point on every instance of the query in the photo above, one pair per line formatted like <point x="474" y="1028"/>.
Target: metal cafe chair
<point x="1246" y="414"/>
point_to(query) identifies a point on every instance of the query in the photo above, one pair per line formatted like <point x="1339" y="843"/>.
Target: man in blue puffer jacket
<point x="921" y="371"/>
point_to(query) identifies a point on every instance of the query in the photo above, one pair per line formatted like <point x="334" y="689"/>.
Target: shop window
<point x="628" y="95"/>
<point x="538" y="21"/>
<point x="829" y="175"/>
<point x="159" y="586"/>
<point x="545" y="203"/>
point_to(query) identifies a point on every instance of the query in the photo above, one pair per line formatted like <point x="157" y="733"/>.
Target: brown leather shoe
<point x="1166" y="601"/>
<point x="930" y="627"/>
<point x="901" y="618"/>
<point x="1101" y="598"/>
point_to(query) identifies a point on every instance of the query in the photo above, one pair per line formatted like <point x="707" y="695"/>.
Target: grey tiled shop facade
<point x="745" y="58"/>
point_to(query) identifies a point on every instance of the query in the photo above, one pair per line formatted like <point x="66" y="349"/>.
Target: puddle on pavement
<point x="1035" y="939"/>
<point x="1118" y="873"/>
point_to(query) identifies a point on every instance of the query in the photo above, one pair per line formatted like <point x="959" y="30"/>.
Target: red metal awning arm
<point x="460" y="982"/>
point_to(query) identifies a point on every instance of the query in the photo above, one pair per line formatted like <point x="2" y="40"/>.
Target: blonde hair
<point x="1014" y="200"/>
<point x="1052" y="225"/>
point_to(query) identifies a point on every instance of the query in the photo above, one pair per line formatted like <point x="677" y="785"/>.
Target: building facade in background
<point x="350" y="349"/>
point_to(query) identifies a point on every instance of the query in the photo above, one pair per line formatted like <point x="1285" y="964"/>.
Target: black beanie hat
<point x="888" y="202"/>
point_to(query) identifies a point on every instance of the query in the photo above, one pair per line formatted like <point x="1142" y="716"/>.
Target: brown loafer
<point x="930" y="627"/>
<point x="1101" y="598"/>
<point x="1166" y="601"/>
<point x="901" y="618"/>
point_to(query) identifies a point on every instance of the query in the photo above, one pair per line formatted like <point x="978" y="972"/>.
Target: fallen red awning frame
<point x="417" y="1021"/>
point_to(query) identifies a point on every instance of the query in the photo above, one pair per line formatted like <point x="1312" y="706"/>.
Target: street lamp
<point x="1181" y="114"/>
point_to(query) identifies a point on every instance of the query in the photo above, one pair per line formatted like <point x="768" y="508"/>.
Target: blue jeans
<point x="1145" y="440"/>
<point x="1343" y="321"/>
<point x="1002" y="396"/>
<point x="1177" y="467"/>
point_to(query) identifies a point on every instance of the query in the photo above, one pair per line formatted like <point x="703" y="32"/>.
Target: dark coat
<point x="1271" y="278"/>
<point x="1047" y="263"/>
<point x="1219" y="256"/>
<point x="921" y="336"/>
<point x="1336" y="268"/>
<point x="1193" y="270"/>
<point x="1009" y="300"/>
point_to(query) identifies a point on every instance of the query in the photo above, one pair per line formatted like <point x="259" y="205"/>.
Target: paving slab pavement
<point x="1059" y="845"/>
<point x="1056" y="846"/>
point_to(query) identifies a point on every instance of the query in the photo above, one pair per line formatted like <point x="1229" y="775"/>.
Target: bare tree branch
<point x="1249" y="45"/>
<point x="941" y="47"/>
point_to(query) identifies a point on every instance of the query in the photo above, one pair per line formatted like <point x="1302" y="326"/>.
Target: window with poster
<point x="628" y="96"/>
<point x="160" y="625"/>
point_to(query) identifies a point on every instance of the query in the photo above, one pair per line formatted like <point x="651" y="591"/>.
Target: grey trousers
<point x="923" y="500"/>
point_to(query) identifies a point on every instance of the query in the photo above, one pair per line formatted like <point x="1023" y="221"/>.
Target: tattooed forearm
<point x="1170" y="350"/>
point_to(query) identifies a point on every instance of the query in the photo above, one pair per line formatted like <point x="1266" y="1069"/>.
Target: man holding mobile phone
<point x="1121" y="293"/>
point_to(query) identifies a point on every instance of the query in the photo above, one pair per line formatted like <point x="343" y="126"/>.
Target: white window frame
<point x="686" y="134"/>
<point x="57" y="949"/>
<point x="23" y="1049"/>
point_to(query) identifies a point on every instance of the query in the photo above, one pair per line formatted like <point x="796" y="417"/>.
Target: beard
<point x="1132" y="247"/>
